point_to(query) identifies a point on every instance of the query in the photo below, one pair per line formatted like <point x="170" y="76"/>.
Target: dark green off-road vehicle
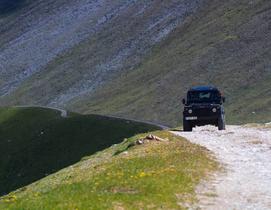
<point x="203" y="106"/>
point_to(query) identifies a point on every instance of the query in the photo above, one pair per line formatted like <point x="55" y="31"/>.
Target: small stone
<point x="140" y="141"/>
<point x="150" y="137"/>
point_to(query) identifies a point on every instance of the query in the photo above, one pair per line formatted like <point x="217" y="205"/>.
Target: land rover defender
<point x="203" y="106"/>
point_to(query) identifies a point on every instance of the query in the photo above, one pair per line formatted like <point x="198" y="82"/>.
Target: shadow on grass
<point x="36" y="142"/>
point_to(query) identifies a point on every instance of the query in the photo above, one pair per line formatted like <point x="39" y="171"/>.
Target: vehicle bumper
<point x="201" y="118"/>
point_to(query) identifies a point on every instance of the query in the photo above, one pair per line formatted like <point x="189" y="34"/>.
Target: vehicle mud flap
<point x="221" y="123"/>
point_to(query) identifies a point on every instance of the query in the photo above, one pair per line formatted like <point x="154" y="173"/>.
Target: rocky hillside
<point x="136" y="58"/>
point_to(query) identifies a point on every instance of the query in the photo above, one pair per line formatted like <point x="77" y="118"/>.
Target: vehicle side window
<point x="217" y="96"/>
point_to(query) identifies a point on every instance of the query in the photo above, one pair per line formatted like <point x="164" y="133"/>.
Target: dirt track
<point x="246" y="154"/>
<point x="63" y="113"/>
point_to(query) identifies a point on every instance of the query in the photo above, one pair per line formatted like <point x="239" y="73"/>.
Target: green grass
<point x="35" y="142"/>
<point x="251" y="104"/>
<point x="156" y="175"/>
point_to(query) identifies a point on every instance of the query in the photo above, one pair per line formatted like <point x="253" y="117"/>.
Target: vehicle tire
<point x="221" y="123"/>
<point x="187" y="127"/>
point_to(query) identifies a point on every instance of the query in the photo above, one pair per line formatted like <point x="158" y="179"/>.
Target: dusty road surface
<point x="246" y="155"/>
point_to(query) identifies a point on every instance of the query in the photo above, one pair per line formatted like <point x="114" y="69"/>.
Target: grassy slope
<point x="226" y="44"/>
<point x="159" y="175"/>
<point x="35" y="142"/>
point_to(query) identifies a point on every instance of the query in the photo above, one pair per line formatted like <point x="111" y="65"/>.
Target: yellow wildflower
<point x="142" y="174"/>
<point x="11" y="198"/>
<point x="36" y="194"/>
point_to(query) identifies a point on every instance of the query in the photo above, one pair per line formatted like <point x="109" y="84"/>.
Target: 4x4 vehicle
<point x="203" y="106"/>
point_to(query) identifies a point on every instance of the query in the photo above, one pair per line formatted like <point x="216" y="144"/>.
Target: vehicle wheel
<point x="221" y="123"/>
<point x="187" y="127"/>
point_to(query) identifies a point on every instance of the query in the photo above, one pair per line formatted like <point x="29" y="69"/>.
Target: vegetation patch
<point x="36" y="142"/>
<point x="154" y="175"/>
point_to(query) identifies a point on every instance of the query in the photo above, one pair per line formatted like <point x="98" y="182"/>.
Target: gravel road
<point x="245" y="153"/>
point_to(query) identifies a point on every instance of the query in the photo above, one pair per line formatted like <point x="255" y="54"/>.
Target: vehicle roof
<point x="203" y="88"/>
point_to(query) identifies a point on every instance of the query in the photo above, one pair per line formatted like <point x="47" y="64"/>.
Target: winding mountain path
<point x="246" y="154"/>
<point x="63" y="112"/>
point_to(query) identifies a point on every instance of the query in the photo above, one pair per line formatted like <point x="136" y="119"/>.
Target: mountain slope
<point x="137" y="58"/>
<point x="35" y="142"/>
<point x="74" y="47"/>
<point x="226" y="44"/>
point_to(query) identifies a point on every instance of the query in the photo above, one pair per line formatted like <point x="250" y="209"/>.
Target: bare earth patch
<point x="246" y="153"/>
